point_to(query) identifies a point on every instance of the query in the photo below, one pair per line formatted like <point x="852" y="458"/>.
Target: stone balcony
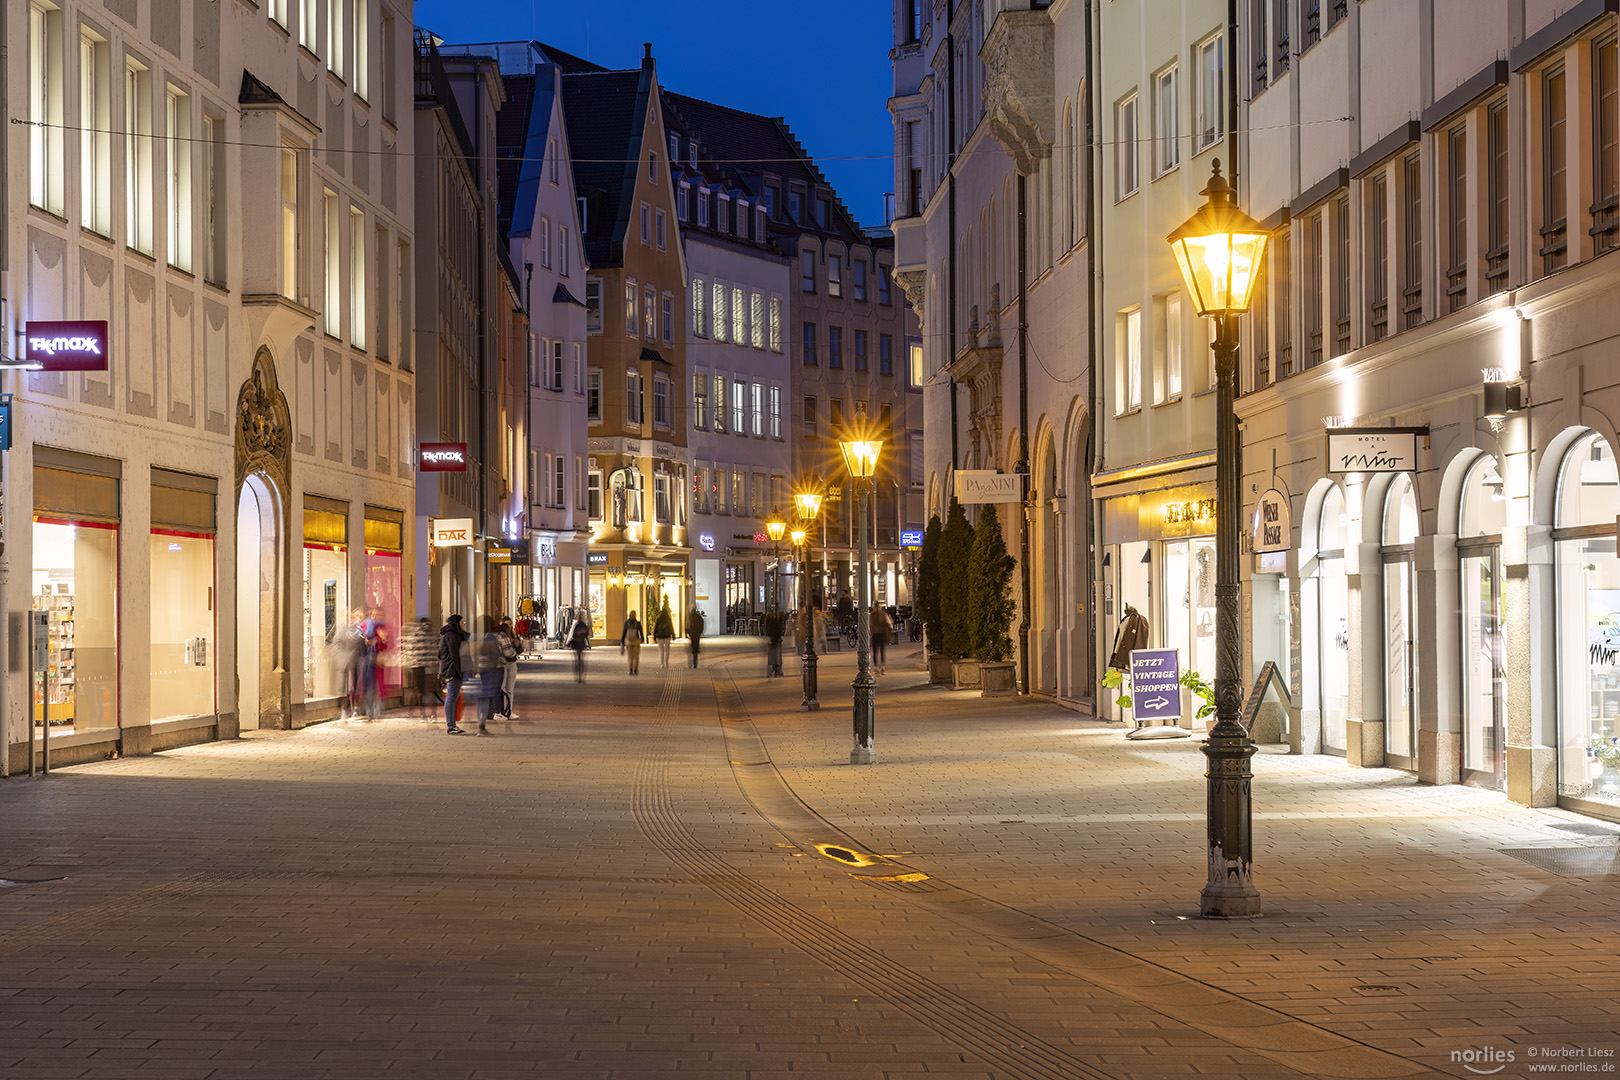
<point x="1018" y="85"/>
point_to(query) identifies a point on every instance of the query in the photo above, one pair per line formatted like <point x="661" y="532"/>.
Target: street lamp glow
<point x="808" y="502"/>
<point x="1220" y="251"/>
<point x="797" y="536"/>
<point x="775" y="527"/>
<point x="861" y="456"/>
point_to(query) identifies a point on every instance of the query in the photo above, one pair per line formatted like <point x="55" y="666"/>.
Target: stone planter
<point x="939" y="670"/>
<point x="998" y="679"/>
<point x="964" y="675"/>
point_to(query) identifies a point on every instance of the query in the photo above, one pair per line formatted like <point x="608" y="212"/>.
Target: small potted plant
<point x="1193" y="681"/>
<point x="990" y="607"/>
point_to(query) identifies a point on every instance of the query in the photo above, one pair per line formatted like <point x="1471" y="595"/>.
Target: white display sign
<point x="1272" y="523"/>
<point x="1352" y="450"/>
<point x="987" y="486"/>
<point x="452" y="532"/>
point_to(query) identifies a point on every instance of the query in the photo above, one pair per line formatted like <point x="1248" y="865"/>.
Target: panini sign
<point x="1377" y="450"/>
<point x="988" y="486"/>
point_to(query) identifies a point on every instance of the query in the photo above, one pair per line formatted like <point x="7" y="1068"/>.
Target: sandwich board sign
<point x="1156" y="684"/>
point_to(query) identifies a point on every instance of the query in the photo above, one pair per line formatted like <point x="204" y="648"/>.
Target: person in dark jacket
<point x="452" y="670"/>
<point x="630" y="640"/>
<point x="694" y="632"/>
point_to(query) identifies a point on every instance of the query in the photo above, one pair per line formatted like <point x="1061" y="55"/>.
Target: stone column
<point x="1439" y="672"/>
<point x="1531" y="665"/>
<point x="1364" y="726"/>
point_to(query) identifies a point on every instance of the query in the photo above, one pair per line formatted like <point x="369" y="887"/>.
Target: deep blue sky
<point x="824" y="66"/>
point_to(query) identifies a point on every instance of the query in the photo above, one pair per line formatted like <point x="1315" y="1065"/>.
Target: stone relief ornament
<point x="261" y="428"/>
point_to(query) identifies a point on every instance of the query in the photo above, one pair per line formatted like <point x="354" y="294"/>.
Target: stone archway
<point x="263" y="579"/>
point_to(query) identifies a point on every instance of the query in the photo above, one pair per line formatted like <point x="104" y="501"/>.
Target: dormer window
<point x="742" y="219"/>
<point x="703" y="207"/>
<point x="682" y="193"/>
<point x="674" y="148"/>
<point x="760" y="224"/>
<point x="795" y="205"/>
<point x="722" y="213"/>
<point x="822" y="203"/>
<point x="691" y="147"/>
<point x="771" y="198"/>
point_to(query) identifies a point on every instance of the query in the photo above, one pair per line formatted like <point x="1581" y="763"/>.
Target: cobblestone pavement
<point x="681" y="873"/>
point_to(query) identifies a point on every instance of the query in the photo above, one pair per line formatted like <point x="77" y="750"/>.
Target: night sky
<point x="824" y="66"/>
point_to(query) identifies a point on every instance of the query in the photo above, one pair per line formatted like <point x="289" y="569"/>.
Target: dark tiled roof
<point x="604" y="140"/>
<point x="512" y="125"/>
<point x="570" y="64"/>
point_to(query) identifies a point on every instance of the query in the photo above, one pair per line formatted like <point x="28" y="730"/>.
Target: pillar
<point x="1439" y="749"/>
<point x="1531" y="662"/>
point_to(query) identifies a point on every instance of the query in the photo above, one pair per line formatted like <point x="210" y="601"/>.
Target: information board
<point x="1156" y="684"/>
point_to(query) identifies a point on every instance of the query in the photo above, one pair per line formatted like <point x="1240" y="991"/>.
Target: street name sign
<point x="1156" y="684"/>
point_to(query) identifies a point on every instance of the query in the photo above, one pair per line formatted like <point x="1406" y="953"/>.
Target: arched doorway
<point x="1400" y="532"/>
<point x="263" y="438"/>
<point x="1333" y="621"/>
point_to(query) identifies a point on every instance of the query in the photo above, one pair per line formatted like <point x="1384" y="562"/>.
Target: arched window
<point x="1588" y="609"/>
<point x="1484" y="616"/>
<point x="1400" y="531"/>
<point x="1333" y="621"/>
<point x="1484" y="500"/>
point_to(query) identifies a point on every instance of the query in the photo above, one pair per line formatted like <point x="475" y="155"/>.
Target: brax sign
<point x="1351" y="450"/>
<point x="67" y="346"/>
<point x="442" y="457"/>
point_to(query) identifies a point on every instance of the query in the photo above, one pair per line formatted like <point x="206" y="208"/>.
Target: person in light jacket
<point x="630" y="639"/>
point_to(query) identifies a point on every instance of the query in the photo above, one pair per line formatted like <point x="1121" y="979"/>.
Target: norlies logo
<point x="1484" y="1061"/>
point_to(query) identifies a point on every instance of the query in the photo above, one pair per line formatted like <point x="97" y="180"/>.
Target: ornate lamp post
<point x="861" y="453"/>
<point x="808" y="500"/>
<point x="1219" y="250"/>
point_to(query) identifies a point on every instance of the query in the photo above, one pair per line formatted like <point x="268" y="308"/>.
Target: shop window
<point x="326" y="594"/>
<point x="75" y="579"/>
<point x="183" y="613"/>
<point x="1400" y="623"/>
<point x="1588" y="645"/>
<point x="1333" y="628"/>
<point x="385" y="533"/>
<point x="1484" y="629"/>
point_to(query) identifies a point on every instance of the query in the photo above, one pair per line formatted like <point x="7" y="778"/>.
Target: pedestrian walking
<point x="347" y="649"/>
<point x="511" y="647"/>
<point x="486" y="656"/>
<point x="417" y="649"/>
<point x="694" y="632"/>
<point x="578" y="638"/>
<point x="819" y="622"/>
<point x="882" y="631"/>
<point x="452" y="671"/>
<point x="664" y="633"/>
<point x="374" y="639"/>
<point x="775" y="630"/>
<point x="630" y="639"/>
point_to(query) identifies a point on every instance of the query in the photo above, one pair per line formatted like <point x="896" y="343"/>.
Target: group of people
<point x="634" y="635"/>
<point x="356" y="646"/>
<point x="844" y="614"/>
<point x="481" y="666"/>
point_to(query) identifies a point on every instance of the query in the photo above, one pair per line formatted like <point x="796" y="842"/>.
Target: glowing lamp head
<point x="808" y="502"/>
<point x="775" y="527"/>
<point x="798" y="537"/>
<point x="1220" y="250"/>
<point x="861" y="456"/>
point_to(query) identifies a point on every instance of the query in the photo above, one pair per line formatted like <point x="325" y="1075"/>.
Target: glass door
<point x="1400" y="662"/>
<point x="1333" y="637"/>
<point x="1483" y="690"/>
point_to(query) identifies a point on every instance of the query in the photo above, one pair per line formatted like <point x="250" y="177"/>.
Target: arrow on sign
<point x="1156" y="703"/>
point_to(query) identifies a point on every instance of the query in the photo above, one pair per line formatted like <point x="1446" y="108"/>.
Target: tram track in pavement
<point x="1307" y="1048"/>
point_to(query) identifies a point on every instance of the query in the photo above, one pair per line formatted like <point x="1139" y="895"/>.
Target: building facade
<point x="228" y="188"/>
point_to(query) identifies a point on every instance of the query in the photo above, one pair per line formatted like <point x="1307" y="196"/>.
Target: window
<point x="137" y="157"/>
<point x="1209" y="94"/>
<point x="630" y="306"/>
<point x="1412" y="231"/>
<point x="278" y="11"/>
<point x="1605" y="148"/>
<point x="1311" y="301"/>
<point x="703" y="207"/>
<point x="914" y="363"/>
<point x="379" y="251"/>
<point x="216" y="229"/>
<point x="406" y="271"/>
<point x="593" y="494"/>
<point x="1457" y="217"/>
<point x="807" y="271"/>
<point x="756" y="399"/>
<point x="722" y="489"/>
<point x="593" y="305"/>
<point x="739" y="317"/>
<point x="1261" y="46"/>
<point x="822" y="208"/>
<point x="674" y="149"/>
<point x="593" y="399"/>
<point x="544" y="239"/>
<point x="1378" y="257"/>
<point x="95" y="138"/>
<point x="1282" y="271"/>
<point x="1166" y="124"/>
<point x="776" y="325"/>
<point x="177" y="131"/>
<point x="884" y="297"/>
<point x="835" y="347"/>
<point x="357" y="278"/>
<point x="632" y="398"/>
<point x="385" y="67"/>
<point x="661" y="497"/>
<point x="742" y="219"/>
<point x="646" y="224"/>
<point x="809" y="415"/>
<point x="1496" y="197"/>
<point x="756" y="328"/>
<point x="761" y="225"/>
<point x="912" y="26"/>
<point x="1128" y="362"/>
<point x="559" y="481"/>
<point x="776" y="412"/>
<point x="333" y="308"/>
<point x="699" y="297"/>
<point x="700" y="489"/>
<point x="362" y="48"/>
<point x="1555" y="173"/>
<point x="739" y="407"/>
<point x="579" y="483"/>
<point x="551" y="157"/>
<point x="668" y="319"/>
<point x="652" y="166"/>
<point x="1174" y="328"/>
<point x="661" y="402"/>
<point x="537" y="350"/>
<point x="915" y="476"/>
<point x="334" y="36"/>
<point x="857" y="270"/>
<point x="719" y="314"/>
<point x="835" y="275"/>
<point x="682" y="193"/>
<point x="914" y="174"/>
<point x="795" y="206"/>
<point x="835" y="413"/>
<point x="720" y="404"/>
<point x="860" y="350"/>
<point x="579" y="369"/>
<point x="885" y="354"/>
<point x="700" y="386"/>
<point x="562" y="250"/>
<point x="556" y="367"/>
<point x="1341" y="279"/>
<point x="649" y="312"/>
<point x="308" y="24"/>
<point x="1282" y="55"/>
<point x="1125" y="177"/>
<point x="542" y="475"/>
<point x="722" y="212"/>
<point x="807" y="352"/>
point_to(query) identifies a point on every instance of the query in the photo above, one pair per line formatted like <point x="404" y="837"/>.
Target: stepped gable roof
<point x="748" y="145"/>
<point x="605" y="113"/>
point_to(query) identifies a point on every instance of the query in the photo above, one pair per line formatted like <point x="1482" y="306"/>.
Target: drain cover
<point x="1376" y="989"/>
<point x="1586" y="829"/>
<point x="1567" y="860"/>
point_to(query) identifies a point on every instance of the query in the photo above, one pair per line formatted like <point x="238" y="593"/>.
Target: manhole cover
<point x="1586" y="829"/>
<point x="1600" y="860"/>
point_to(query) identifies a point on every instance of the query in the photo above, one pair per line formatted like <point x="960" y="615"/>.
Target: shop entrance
<point x="260" y="661"/>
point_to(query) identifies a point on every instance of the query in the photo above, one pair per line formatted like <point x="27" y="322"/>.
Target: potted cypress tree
<point x="928" y="607"/>
<point x="955" y="553"/>
<point x="990" y="606"/>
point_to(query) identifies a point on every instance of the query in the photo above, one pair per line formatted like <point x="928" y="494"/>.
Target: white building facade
<point x="228" y="188"/>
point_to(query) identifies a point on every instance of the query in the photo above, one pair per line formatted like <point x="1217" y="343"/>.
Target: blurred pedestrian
<point x="417" y="648"/>
<point x="664" y="633"/>
<point x="511" y="647"/>
<point x="882" y="631"/>
<point x="578" y="638"/>
<point x="486" y="656"/>
<point x="452" y="671"/>
<point x="347" y="648"/>
<point x="819" y="622"/>
<point x="630" y="639"/>
<point x="694" y="632"/>
<point x="775" y="629"/>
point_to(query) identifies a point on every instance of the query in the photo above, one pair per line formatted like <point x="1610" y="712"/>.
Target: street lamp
<point x="775" y="527"/>
<point x="861" y="453"/>
<point x="1219" y="250"/>
<point x="808" y="500"/>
